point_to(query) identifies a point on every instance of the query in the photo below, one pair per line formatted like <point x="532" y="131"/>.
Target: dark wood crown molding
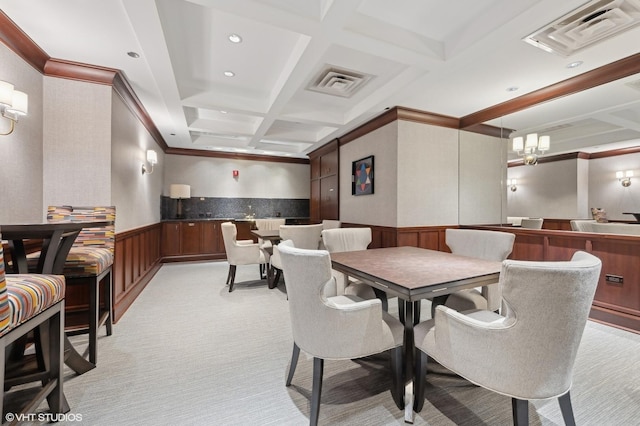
<point x="328" y="147"/>
<point x="552" y="158"/>
<point x="605" y="74"/>
<point x="235" y="156"/>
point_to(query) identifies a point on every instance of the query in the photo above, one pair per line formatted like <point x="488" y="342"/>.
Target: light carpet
<point x="188" y="352"/>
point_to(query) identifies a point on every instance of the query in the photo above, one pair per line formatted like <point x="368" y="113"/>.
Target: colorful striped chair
<point x="33" y="302"/>
<point x="91" y="260"/>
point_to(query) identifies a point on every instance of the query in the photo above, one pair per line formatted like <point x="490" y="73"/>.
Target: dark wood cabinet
<point x="192" y="240"/>
<point x="324" y="201"/>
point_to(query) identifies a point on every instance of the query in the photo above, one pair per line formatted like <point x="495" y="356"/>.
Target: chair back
<point x="303" y="236"/>
<point x="546" y="308"/>
<point x="488" y="245"/>
<point x="269" y="224"/>
<point x="346" y="239"/>
<point x="5" y="311"/>
<point x="582" y="225"/>
<point x="331" y="224"/>
<point x="530" y="223"/>
<point x="330" y="327"/>
<point x="103" y="236"/>
<point x="229" y="234"/>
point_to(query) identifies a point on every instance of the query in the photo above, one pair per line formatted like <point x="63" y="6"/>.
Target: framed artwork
<point x="362" y="176"/>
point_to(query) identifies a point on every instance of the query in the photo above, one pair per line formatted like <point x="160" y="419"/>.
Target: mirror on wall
<point x="597" y="120"/>
<point x="602" y="119"/>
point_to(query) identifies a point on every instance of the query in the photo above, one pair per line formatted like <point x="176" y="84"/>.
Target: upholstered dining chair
<point x="303" y="236"/>
<point x="33" y="302"/>
<point x="328" y="326"/>
<point x="268" y="225"/>
<point x="526" y="353"/>
<point x="488" y="245"/>
<point x="240" y="252"/>
<point x="350" y="239"/>
<point x="329" y="224"/>
<point x="532" y="223"/>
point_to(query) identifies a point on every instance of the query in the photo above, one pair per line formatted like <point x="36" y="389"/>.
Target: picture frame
<point x="362" y="176"/>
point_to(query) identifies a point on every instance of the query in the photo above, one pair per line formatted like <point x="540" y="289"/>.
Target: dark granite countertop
<point x="205" y="219"/>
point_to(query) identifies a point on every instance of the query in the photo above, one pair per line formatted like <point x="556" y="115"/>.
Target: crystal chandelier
<point x="531" y="147"/>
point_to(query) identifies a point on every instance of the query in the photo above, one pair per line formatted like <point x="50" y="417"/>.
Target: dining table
<point x="413" y="274"/>
<point x="54" y="241"/>
<point x="272" y="235"/>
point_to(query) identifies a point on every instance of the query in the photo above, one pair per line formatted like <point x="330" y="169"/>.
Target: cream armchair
<point x="350" y="239"/>
<point x="529" y="352"/>
<point x="242" y="252"/>
<point x="488" y="245"/>
<point x="532" y="223"/>
<point x="302" y="236"/>
<point x="335" y="327"/>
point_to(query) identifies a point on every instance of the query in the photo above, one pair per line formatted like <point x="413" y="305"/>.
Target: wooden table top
<point x="267" y="234"/>
<point x="414" y="273"/>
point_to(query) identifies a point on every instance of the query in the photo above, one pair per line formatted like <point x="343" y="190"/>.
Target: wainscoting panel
<point x="137" y="259"/>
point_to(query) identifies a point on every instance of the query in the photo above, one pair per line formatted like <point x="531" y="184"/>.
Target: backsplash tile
<point x="234" y="208"/>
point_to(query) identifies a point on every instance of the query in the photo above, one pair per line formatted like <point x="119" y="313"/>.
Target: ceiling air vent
<point x="338" y="82"/>
<point x="590" y="23"/>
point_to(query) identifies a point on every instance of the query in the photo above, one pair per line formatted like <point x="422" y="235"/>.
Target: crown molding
<point x="235" y="156"/>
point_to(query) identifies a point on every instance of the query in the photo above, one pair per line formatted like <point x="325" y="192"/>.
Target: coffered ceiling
<point x="308" y="71"/>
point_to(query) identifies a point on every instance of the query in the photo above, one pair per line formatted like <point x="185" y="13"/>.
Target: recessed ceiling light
<point x="235" y="38"/>
<point x="173" y="134"/>
<point x="223" y="112"/>
<point x="574" y="64"/>
<point x="512" y="89"/>
<point x="229" y="73"/>
<point x="133" y="54"/>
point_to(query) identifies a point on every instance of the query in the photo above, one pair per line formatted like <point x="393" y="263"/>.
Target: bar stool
<point x="33" y="302"/>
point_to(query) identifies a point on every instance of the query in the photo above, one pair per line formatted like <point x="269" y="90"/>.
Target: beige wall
<point x="212" y="177"/>
<point x="482" y="174"/>
<point x="76" y="143"/>
<point x="136" y="196"/>
<point x="379" y="208"/>
<point x="427" y="184"/>
<point x="21" y="152"/>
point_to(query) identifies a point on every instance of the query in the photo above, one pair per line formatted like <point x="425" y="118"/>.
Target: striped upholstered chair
<point x="90" y="260"/>
<point x="33" y="302"/>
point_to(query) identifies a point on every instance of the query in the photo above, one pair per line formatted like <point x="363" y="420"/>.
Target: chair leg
<point x="232" y="277"/>
<point x="276" y="277"/>
<point x="419" y="380"/>
<point x="397" y="379"/>
<point x="108" y="304"/>
<point x="56" y="399"/>
<point x="566" y="409"/>
<point x="318" y="367"/>
<point x="294" y="363"/>
<point x="229" y="275"/>
<point x="94" y="314"/>
<point x="520" y="410"/>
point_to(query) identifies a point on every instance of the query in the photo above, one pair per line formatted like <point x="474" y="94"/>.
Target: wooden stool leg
<point x="94" y="313"/>
<point x="108" y="291"/>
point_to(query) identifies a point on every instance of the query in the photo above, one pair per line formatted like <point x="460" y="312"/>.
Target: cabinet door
<point x="314" y="201"/>
<point x="171" y="239"/>
<point x="329" y="163"/>
<point x="191" y="237"/>
<point x="209" y="238"/>
<point x="315" y="167"/>
<point x="329" y="198"/>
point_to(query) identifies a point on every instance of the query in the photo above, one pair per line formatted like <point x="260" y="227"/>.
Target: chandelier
<point x="531" y="147"/>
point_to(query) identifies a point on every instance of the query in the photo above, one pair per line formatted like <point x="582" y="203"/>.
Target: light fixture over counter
<point x="13" y="104"/>
<point x="531" y="147"/>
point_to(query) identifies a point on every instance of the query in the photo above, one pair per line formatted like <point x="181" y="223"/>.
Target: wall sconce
<point x="625" y="177"/>
<point x="179" y="191"/>
<point x="512" y="184"/>
<point x="13" y="104"/>
<point x="152" y="158"/>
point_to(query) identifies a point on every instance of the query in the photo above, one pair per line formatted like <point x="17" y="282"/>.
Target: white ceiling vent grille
<point x="590" y="23"/>
<point x="338" y="81"/>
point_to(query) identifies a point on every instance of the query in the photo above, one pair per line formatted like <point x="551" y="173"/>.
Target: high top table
<point x="57" y="239"/>
<point x="413" y="274"/>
